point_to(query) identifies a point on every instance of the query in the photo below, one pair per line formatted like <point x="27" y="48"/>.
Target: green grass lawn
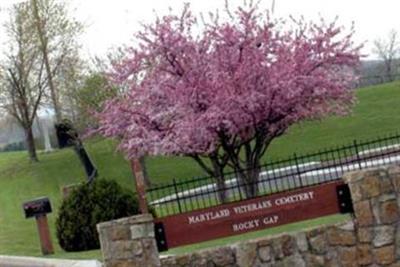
<point x="376" y="114"/>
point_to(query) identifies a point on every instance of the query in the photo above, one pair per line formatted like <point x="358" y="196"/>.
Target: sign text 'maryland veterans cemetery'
<point x="249" y="215"/>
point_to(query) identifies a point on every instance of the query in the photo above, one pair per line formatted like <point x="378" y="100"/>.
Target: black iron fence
<point x="278" y="176"/>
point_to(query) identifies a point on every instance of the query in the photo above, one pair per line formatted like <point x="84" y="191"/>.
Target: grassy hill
<point x="375" y="114"/>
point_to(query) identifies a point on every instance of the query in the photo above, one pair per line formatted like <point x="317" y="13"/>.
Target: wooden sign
<point x="250" y="215"/>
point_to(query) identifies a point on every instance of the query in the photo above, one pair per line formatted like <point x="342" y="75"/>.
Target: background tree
<point x="56" y="33"/>
<point x="223" y="94"/>
<point x="21" y="74"/>
<point x="70" y="79"/>
<point x="102" y="68"/>
<point x="90" y="96"/>
<point x="388" y="51"/>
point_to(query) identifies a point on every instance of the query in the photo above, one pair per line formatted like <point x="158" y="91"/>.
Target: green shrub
<point x="88" y="205"/>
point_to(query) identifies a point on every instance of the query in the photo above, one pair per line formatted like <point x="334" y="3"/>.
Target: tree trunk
<point x="220" y="180"/>
<point x="217" y="172"/>
<point x="72" y="108"/>
<point x="248" y="180"/>
<point x="30" y="143"/>
<point x="254" y="181"/>
<point x="44" y="50"/>
<point x="146" y="177"/>
<point x="221" y="188"/>
<point x="389" y="76"/>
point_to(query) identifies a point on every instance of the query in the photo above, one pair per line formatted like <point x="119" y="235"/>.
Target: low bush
<point x="85" y="207"/>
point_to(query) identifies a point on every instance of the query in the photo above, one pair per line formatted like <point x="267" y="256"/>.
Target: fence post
<point x="297" y="168"/>
<point x="357" y="154"/>
<point x="177" y="195"/>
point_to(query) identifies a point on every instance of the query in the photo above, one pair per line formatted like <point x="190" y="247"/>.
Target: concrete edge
<point x="16" y="261"/>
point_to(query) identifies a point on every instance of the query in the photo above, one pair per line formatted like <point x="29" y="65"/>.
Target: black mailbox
<point x="37" y="207"/>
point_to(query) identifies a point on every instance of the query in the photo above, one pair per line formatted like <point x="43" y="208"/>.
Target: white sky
<point x="112" y="23"/>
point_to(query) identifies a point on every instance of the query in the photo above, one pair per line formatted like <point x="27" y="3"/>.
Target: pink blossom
<point x="240" y="81"/>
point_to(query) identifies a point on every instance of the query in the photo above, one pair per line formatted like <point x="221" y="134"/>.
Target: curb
<point x="13" y="261"/>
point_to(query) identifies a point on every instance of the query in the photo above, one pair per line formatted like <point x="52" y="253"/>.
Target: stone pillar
<point x="129" y="242"/>
<point x="376" y="198"/>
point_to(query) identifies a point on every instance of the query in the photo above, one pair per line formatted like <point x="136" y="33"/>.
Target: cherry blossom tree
<point x="220" y="92"/>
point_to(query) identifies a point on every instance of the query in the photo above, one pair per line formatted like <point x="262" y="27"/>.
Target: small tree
<point x="56" y="35"/>
<point x="22" y="82"/>
<point x="91" y="94"/>
<point x="225" y="93"/>
<point x="388" y="51"/>
<point x="90" y="97"/>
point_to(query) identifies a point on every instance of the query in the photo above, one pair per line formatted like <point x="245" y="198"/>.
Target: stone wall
<point x="370" y="238"/>
<point x="326" y="246"/>
<point x="129" y="242"/>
